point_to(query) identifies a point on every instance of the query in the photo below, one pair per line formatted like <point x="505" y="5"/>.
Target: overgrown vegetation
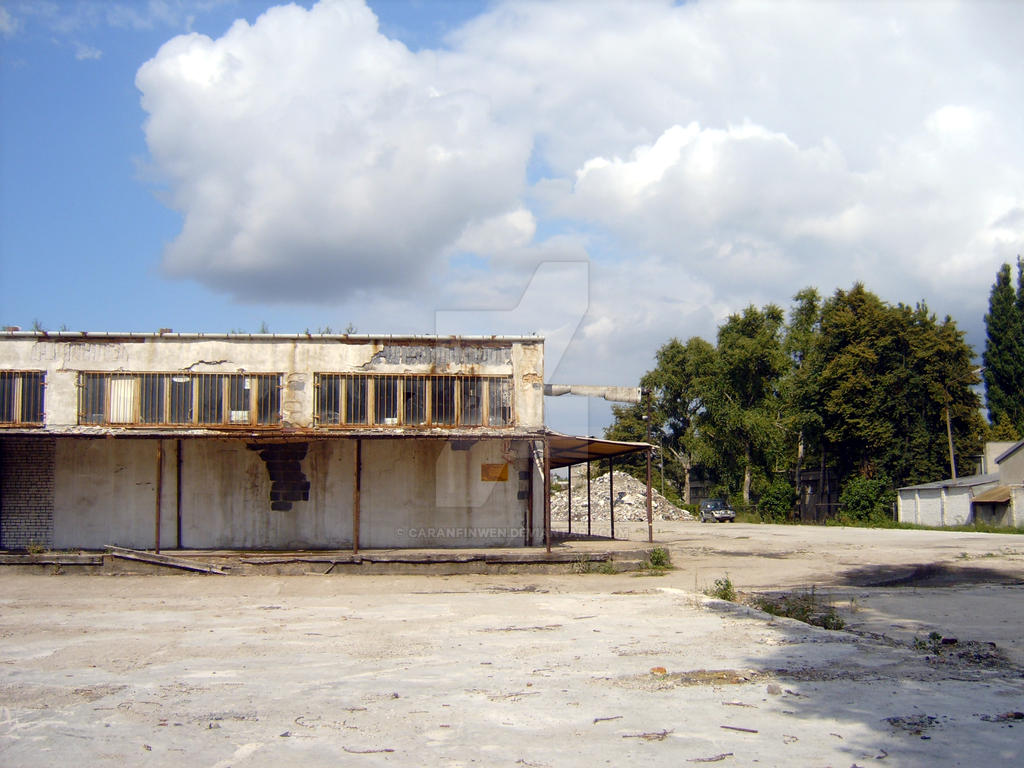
<point x="867" y="501"/>
<point x="659" y="558"/>
<point x="583" y="564"/>
<point x="931" y="644"/>
<point x="776" y="505"/>
<point x="802" y="606"/>
<point x="723" y="590"/>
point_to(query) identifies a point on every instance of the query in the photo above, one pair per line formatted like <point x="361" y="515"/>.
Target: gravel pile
<point x="630" y="501"/>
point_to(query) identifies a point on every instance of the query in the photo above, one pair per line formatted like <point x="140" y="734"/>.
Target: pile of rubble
<point x="630" y="501"/>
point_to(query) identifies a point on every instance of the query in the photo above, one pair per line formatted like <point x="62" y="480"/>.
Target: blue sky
<point x="607" y="174"/>
<point x="78" y="194"/>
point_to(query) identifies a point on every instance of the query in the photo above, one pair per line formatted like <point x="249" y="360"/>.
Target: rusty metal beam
<point x="529" y="499"/>
<point x="650" y="511"/>
<point x="569" y="470"/>
<point x="650" y="514"/>
<point x="356" y="494"/>
<point x="588" y="498"/>
<point x="611" y="493"/>
<point x="159" y="490"/>
<point x="177" y="497"/>
<point x="547" y="495"/>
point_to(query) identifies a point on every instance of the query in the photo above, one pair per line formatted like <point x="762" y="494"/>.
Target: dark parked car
<point x="717" y="511"/>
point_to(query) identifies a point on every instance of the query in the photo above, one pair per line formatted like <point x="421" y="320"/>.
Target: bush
<point x="777" y="503"/>
<point x="660" y="558"/>
<point x="867" y="501"/>
<point x="723" y="590"/>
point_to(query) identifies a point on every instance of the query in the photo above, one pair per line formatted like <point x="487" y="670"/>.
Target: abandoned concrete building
<point x="994" y="496"/>
<point x="231" y="441"/>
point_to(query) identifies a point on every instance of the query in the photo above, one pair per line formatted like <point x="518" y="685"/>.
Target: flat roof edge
<point x="342" y="337"/>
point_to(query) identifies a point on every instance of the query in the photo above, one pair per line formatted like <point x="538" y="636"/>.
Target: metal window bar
<point x="21" y="397"/>
<point x="414" y="400"/>
<point x="174" y="399"/>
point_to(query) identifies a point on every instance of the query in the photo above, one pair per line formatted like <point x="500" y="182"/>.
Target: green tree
<point x="739" y="427"/>
<point x="887" y="376"/>
<point x="799" y="388"/>
<point x="1004" y="350"/>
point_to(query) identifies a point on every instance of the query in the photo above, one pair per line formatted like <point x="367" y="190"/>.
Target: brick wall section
<point x="26" y="491"/>
<point x="284" y="465"/>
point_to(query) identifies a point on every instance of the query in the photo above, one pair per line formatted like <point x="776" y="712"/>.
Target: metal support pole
<point x="177" y="497"/>
<point x="159" y="489"/>
<point x="650" y="511"/>
<point x="650" y="514"/>
<point x="588" y="496"/>
<point x="569" y="470"/>
<point x="529" y="500"/>
<point x="547" y="494"/>
<point x="611" y="493"/>
<point x="357" y="487"/>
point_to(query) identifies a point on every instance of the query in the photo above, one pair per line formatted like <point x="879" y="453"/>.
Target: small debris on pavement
<point x="737" y="728"/>
<point x="714" y="759"/>
<point x="648" y="736"/>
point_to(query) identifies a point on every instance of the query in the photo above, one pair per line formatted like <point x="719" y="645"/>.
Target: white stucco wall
<point x="935" y="506"/>
<point x="414" y="493"/>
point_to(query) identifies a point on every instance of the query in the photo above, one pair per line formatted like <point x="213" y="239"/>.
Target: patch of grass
<point x="802" y="606"/>
<point x="723" y="589"/>
<point x="582" y="564"/>
<point x="659" y="558"/>
<point x="607" y="568"/>
<point x="35" y="548"/>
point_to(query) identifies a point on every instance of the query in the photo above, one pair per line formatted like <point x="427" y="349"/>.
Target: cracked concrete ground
<point x="534" y="670"/>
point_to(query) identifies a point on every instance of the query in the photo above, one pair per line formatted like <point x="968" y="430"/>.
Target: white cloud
<point x="85" y="52"/>
<point x="706" y="156"/>
<point x="320" y="158"/>
<point x="498" y="234"/>
<point x="8" y="24"/>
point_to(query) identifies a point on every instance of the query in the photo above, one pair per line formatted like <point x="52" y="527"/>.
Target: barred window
<point x="21" y="397"/>
<point x="385" y="400"/>
<point x="180" y="399"/>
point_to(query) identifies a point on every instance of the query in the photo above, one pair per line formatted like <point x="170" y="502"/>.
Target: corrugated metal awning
<point x="567" y="450"/>
<point x="998" y="495"/>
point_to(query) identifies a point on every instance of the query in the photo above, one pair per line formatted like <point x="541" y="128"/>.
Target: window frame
<point x="205" y="400"/>
<point x="16" y="398"/>
<point x="433" y="401"/>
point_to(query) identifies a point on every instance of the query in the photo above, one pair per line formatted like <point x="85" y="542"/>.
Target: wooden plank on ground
<point x="167" y="560"/>
<point x="63" y="558"/>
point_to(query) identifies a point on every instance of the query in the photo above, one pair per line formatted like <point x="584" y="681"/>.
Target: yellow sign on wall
<point x="494" y="473"/>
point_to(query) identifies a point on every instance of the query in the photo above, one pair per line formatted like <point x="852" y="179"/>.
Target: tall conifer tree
<point x="1004" y="350"/>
